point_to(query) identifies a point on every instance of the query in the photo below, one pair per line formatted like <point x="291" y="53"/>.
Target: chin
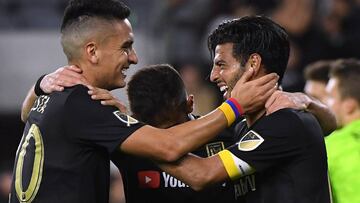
<point x="226" y="96"/>
<point x="121" y="85"/>
<point x="118" y="84"/>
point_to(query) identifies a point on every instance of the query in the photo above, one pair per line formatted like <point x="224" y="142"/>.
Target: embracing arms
<point x="171" y="144"/>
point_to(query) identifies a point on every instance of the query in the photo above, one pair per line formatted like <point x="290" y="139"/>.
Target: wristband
<point x="236" y="105"/>
<point x="231" y="109"/>
<point x="228" y="112"/>
<point x="38" y="91"/>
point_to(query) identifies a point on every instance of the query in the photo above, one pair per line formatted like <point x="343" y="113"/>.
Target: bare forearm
<point x="27" y="104"/>
<point x="324" y="115"/>
<point x="191" y="135"/>
<point x="171" y="144"/>
<point x="195" y="171"/>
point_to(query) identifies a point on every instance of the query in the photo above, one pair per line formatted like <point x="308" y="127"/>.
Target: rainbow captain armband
<point x="234" y="166"/>
<point x="231" y="109"/>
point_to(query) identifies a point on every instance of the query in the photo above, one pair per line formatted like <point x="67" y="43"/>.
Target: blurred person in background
<point x="179" y="25"/>
<point x="343" y="145"/>
<point x="5" y="184"/>
<point x="341" y="27"/>
<point x="321" y="29"/>
<point x="317" y="76"/>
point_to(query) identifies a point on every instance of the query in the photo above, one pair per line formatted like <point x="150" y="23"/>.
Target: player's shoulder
<point x="287" y="115"/>
<point x="286" y="120"/>
<point x="77" y="90"/>
<point x="295" y="121"/>
<point x="77" y="93"/>
<point x="78" y="101"/>
<point x="71" y="92"/>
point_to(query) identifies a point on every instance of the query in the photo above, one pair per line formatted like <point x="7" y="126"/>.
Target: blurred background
<point x="166" y="31"/>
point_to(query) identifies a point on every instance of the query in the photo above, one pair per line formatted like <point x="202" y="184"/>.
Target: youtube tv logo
<point x="149" y="179"/>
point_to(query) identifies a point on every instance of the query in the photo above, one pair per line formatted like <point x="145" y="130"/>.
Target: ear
<point x="190" y="104"/>
<point x="350" y="105"/>
<point x="254" y="62"/>
<point x="91" y="52"/>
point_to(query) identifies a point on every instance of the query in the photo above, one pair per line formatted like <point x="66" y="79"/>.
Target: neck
<point x="182" y="118"/>
<point x="251" y="118"/>
<point x="87" y="72"/>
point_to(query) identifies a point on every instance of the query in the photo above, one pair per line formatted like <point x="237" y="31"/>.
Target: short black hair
<point x="156" y="93"/>
<point x="318" y="71"/>
<point x="347" y="71"/>
<point x="106" y="9"/>
<point x="254" y="34"/>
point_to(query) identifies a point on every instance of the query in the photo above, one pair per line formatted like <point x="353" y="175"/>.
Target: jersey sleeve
<point x="89" y="122"/>
<point x="273" y="140"/>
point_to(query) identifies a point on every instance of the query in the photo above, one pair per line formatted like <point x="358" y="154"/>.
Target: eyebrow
<point x="128" y="43"/>
<point x="218" y="61"/>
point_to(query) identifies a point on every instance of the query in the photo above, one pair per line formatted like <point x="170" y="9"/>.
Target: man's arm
<point x="171" y="144"/>
<point x="197" y="172"/>
<point x="324" y="115"/>
<point x="66" y="76"/>
<point x="27" y="104"/>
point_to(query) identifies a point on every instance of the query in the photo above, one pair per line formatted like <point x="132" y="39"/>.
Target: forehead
<point x="313" y="84"/>
<point x="224" y="51"/>
<point x="332" y="85"/>
<point x="122" y="31"/>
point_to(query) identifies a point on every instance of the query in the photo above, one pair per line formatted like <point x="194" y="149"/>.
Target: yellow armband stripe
<point x="228" y="112"/>
<point x="229" y="164"/>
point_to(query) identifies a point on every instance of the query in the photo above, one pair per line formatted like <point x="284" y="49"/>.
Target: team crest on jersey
<point x="128" y="120"/>
<point x="250" y="141"/>
<point x="214" y="148"/>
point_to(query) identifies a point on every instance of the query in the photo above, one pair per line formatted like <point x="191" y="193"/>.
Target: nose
<point x="215" y="73"/>
<point x="133" y="59"/>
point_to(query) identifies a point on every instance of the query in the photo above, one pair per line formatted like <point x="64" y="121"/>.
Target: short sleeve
<point x="89" y="122"/>
<point x="273" y="140"/>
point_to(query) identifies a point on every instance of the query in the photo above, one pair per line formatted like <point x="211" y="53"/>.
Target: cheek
<point x="235" y="75"/>
<point x="333" y="104"/>
<point x="122" y="61"/>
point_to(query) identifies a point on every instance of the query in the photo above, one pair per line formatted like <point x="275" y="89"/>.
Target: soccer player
<point x="157" y="96"/>
<point x="280" y="157"/>
<point x="68" y="138"/>
<point x="343" y="145"/>
<point x="317" y="76"/>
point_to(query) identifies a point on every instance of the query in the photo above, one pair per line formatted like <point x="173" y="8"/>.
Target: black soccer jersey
<point x="144" y="182"/>
<point x="287" y="151"/>
<point x="65" y="150"/>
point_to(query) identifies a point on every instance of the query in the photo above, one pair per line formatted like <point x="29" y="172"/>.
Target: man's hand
<point x="252" y="95"/>
<point x="280" y="100"/>
<point x="66" y="76"/>
<point x="107" y="99"/>
<point x="298" y="100"/>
